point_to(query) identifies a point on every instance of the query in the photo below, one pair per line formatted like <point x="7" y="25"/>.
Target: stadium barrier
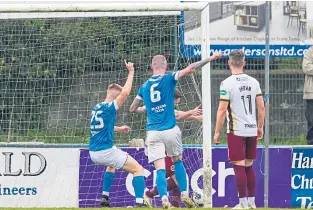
<point x="43" y="175"/>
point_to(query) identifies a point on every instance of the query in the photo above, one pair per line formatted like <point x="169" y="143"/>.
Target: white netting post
<point x="206" y="102"/>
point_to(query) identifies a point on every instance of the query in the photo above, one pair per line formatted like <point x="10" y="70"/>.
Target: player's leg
<point x="171" y="181"/>
<point x="106" y="158"/>
<point x="174" y="148"/>
<point x="156" y="155"/>
<point x="237" y="156"/>
<point x="171" y="184"/>
<point x="108" y="178"/>
<point x="133" y="167"/>
<point x="251" y="147"/>
<point x="175" y="192"/>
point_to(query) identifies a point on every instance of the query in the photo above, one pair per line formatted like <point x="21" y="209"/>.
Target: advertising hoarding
<point x="241" y="25"/>
<point x="224" y="187"/>
<point x="302" y="178"/>
<point x="39" y="177"/>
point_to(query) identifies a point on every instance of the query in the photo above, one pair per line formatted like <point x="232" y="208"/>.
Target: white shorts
<point x="112" y="157"/>
<point x="161" y="142"/>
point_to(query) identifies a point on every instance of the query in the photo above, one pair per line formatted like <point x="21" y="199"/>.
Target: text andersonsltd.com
<point x="17" y="190"/>
<point x="280" y="51"/>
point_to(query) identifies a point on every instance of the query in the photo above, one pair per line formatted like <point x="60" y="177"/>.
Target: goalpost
<point x="50" y="82"/>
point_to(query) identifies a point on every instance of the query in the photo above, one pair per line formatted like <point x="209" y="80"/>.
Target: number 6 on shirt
<point x="155" y="95"/>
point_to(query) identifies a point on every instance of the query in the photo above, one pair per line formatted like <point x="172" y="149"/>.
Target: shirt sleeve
<point x="258" y="90"/>
<point x="139" y="94"/>
<point x="175" y="75"/>
<point x="115" y="105"/>
<point x="224" y="92"/>
<point x="172" y="78"/>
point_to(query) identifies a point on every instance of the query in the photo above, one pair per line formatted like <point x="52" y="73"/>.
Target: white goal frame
<point x="66" y="6"/>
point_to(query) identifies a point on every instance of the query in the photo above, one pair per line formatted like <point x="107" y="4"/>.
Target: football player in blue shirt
<point x="101" y="146"/>
<point x="163" y="136"/>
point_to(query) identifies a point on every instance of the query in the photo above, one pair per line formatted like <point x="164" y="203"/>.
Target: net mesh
<point x="54" y="70"/>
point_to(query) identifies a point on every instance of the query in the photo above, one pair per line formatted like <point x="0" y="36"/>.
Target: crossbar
<point x="69" y="6"/>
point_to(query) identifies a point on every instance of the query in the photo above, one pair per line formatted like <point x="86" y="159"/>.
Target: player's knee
<point x="239" y="163"/>
<point x="110" y="169"/>
<point x="138" y="170"/>
<point x="248" y="162"/>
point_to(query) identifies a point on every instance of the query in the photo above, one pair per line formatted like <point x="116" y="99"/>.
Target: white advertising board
<point x="241" y="25"/>
<point x="39" y="177"/>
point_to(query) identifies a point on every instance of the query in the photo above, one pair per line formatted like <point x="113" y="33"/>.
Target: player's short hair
<point x="177" y="94"/>
<point x="237" y="57"/>
<point x="115" y="86"/>
<point x="159" y="62"/>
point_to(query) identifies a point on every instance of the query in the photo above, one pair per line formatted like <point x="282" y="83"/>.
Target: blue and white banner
<point x="302" y="178"/>
<point x="241" y="25"/>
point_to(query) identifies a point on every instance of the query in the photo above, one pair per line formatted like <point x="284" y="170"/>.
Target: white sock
<point x="139" y="200"/>
<point x="105" y="193"/>
<point x="251" y="199"/>
<point x="185" y="193"/>
<point x="164" y="197"/>
<point x="243" y="201"/>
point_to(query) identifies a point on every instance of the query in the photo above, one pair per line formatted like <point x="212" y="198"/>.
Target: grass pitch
<point x="127" y="208"/>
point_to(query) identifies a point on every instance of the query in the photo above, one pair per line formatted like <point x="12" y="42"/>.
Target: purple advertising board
<point x="224" y="183"/>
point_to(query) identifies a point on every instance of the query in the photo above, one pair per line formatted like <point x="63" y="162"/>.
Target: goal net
<point x="56" y="66"/>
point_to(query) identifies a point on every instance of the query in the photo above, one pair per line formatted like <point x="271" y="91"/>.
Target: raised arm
<point x="128" y="85"/>
<point x="307" y="64"/>
<point x="192" y="67"/>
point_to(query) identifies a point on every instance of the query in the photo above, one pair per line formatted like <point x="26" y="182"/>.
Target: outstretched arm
<point x="195" y="117"/>
<point x="122" y="129"/>
<point x="141" y="109"/>
<point x="180" y="115"/>
<point x="192" y="67"/>
<point x="128" y="85"/>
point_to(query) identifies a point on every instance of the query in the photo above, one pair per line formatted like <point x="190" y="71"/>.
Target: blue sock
<point x="181" y="175"/>
<point x="161" y="182"/>
<point x="139" y="187"/>
<point x="108" y="178"/>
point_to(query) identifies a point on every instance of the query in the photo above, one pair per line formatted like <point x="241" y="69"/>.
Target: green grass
<point x="127" y="208"/>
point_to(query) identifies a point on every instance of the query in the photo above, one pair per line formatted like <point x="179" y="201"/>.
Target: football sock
<point x="154" y="191"/>
<point x="251" y="182"/>
<point x="108" y="178"/>
<point x="175" y="197"/>
<point x="243" y="201"/>
<point x="241" y="180"/>
<point x="139" y="187"/>
<point x="251" y="199"/>
<point x="181" y="176"/>
<point x="171" y="184"/>
<point x="161" y="182"/>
